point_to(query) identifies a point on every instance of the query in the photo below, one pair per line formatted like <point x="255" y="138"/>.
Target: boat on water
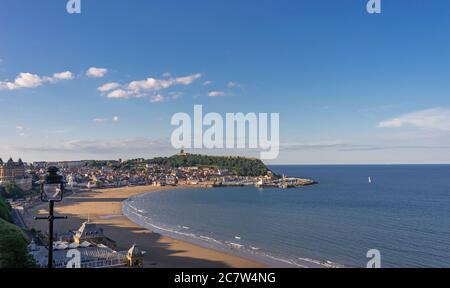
<point x="370" y="180"/>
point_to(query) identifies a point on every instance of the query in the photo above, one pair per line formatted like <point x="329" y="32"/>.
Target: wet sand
<point x="104" y="207"/>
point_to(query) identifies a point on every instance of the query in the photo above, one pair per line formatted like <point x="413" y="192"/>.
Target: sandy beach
<point x="104" y="207"/>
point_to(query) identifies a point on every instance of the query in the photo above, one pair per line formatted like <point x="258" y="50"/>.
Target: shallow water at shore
<point x="185" y="233"/>
<point x="403" y="213"/>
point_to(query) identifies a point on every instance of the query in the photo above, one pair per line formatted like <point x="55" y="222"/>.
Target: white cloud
<point x="206" y="83"/>
<point x="95" y="72"/>
<point x="149" y="84"/>
<point x="232" y="84"/>
<point x="187" y="80"/>
<point x="314" y="145"/>
<point x="159" y="84"/>
<point x="25" y="80"/>
<point x="175" y="95"/>
<point x="28" y="80"/>
<point x="141" y="88"/>
<point x="158" y="98"/>
<point x="436" y="118"/>
<point x="107" y="147"/>
<point x="119" y="93"/>
<point x="103" y="120"/>
<point x="217" y="94"/>
<point x="108" y="87"/>
<point x="21" y="130"/>
<point x="64" y="75"/>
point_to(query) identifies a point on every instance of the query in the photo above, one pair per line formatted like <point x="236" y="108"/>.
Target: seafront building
<point x="11" y="170"/>
<point x="86" y="175"/>
<point x="14" y="172"/>
<point x="93" y="254"/>
<point x="90" y="232"/>
<point x="106" y="174"/>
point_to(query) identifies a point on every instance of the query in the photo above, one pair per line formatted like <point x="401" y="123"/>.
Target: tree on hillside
<point x="11" y="190"/>
<point x="4" y="210"/>
<point x="13" y="247"/>
<point x="238" y="165"/>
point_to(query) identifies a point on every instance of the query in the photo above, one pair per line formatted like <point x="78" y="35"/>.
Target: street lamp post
<point x="52" y="190"/>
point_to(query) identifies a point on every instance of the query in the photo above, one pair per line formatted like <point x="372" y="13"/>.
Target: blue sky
<point x="350" y="87"/>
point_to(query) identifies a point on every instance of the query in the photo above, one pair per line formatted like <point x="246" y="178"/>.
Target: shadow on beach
<point x="105" y="210"/>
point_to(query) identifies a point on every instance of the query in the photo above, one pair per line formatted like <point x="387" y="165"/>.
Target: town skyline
<point x="73" y="89"/>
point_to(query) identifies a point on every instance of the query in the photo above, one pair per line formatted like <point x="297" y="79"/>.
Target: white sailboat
<point x="370" y="180"/>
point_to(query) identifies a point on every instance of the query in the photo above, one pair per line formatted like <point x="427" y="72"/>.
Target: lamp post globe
<point x="52" y="185"/>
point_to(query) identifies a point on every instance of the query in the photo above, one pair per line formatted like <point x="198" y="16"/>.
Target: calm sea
<point x="404" y="213"/>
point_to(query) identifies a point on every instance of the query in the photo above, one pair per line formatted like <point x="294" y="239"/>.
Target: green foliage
<point x="134" y="165"/>
<point x="100" y="163"/>
<point x="13" y="247"/>
<point x="4" y="210"/>
<point x="237" y="165"/>
<point x="11" y="190"/>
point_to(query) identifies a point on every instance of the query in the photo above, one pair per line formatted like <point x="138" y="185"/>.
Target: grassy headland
<point x="239" y="166"/>
<point x="13" y="242"/>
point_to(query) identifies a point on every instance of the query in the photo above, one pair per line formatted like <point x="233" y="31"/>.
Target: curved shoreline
<point x="207" y="243"/>
<point x="135" y="215"/>
<point x="104" y="207"/>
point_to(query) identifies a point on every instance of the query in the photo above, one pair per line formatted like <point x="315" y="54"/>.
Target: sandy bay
<point x="104" y="207"/>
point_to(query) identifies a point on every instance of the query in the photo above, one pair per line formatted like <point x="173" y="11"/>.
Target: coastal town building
<point x="134" y="257"/>
<point x="93" y="254"/>
<point x="14" y="172"/>
<point x="11" y="170"/>
<point x="90" y="232"/>
<point x="92" y="174"/>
